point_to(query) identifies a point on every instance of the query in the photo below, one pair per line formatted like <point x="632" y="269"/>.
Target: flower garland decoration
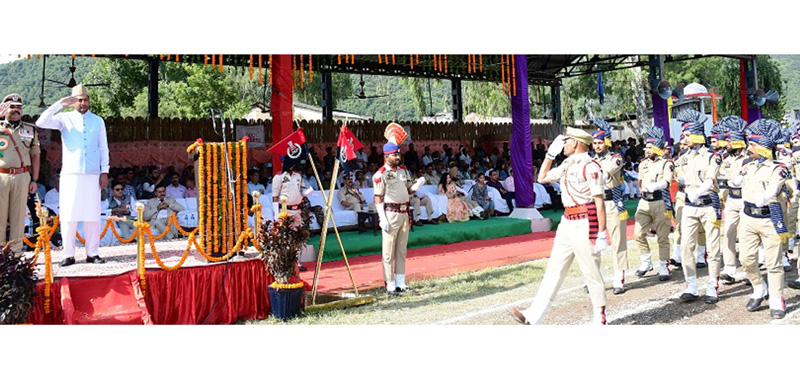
<point x="201" y="190"/>
<point x="207" y="213"/>
<point x="215" y="202"/>
<point x="238" y="155"/>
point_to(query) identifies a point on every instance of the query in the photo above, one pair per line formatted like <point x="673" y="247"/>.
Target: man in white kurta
<point x="84" y="170"/>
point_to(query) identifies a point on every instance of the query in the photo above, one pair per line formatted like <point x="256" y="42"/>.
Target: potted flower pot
<point x="285" y="299"/>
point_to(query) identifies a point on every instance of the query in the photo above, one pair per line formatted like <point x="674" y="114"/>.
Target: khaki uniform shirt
<point x="431" y="179"/>
<point x="732" y="167"/>
<point x="392" y="184"/>
<point x="701" y="164"/>
<point x="611" y="163"/>
<point x="290" y="184"/>
<point x="580" y="178"/>
<point x="759" y="176"/>
<point x="26" y="140"/>
<point x="351" y="195"/>
<point x="656" y="170"/>
<point x="796" y="168"/>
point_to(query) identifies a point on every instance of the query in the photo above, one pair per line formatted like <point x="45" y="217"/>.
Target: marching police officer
<point x="655" y="176"/>
<point x="763" y="219"/>
<point x="616" y="214"/>
<point x="19" y="169"/>
<point x="795" y="284"/>
<point x="730" y="178"/>
<point x="700" y="179"/>
<point x="392" y="189"/>
<point x="680" y="201"/>
<point x="581" y="233"/>
<point x="788" y="194"/>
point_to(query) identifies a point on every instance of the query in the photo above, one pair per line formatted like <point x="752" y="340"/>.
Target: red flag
<point x="348" y="144"/>
<point x="290" y="145"/>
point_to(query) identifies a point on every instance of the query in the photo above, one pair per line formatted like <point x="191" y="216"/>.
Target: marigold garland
<point x="201" y="190"/>
<point x="220" y="63"/>
<point x="412" y="61"/>
<point x="260" y="78"/>
<point x="277" y="285"/>
<point x="302" y="73"/>
<point x="215" y="202"/>
<point x="503" y="72"/>
<point x="251" y="66"/>
<point x="269" y="73"/>
<point x="514" y="74"/>
<point x="310" y="69"/>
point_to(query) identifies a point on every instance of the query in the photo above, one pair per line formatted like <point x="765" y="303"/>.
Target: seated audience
<point x="158" y="210"/>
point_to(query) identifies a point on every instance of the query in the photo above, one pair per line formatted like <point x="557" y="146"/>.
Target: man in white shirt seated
<point x="51" y="197"/>
<point x="175" y="190"/>
<point x="157" y="212"/>
<point x="253" y="184"/>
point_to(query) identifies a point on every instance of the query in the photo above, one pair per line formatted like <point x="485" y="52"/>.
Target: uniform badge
<point x="619" y="162"/>
<point x="390" y="175"/>
<point x="25" y="134"/>
<point x="718" y="160"/>
<point x="286" y="179"/>
<point x="4" y="142"/>
<point x="784" y="173"/>
<point x="377" y="180"/>
<point x="594" y="176"/>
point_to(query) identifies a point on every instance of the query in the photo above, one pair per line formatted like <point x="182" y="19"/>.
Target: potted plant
<point x="280" y="241"/>
<point x="17" y="287"/>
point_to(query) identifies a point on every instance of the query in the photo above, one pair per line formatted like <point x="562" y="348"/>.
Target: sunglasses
<point x="118" y="189"/>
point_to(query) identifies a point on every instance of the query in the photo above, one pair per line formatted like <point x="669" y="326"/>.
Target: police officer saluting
<point x="19" y="169"/>
<point x="763" y="219"/>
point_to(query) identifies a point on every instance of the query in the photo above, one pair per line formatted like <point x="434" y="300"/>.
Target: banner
<point x="292" y="149"/>
<point x="348" y="144"/>
<point x="254" y="133"/>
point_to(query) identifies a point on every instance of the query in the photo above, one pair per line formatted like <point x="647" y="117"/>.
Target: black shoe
<point x="777" y="313"/>
<point x="710" y="299"/>
<point x="403" y="290"/>
<point x="67" y="262"/>
<point x="586" y="288"/>
<point x="675" y="263"/>
<point x="787" y="268"/>
<point x="753" y="304"/>
<point x="663" y="278"/>
<point x="392" y="293"/>
<point x="641" y="273"/>
<point x="727" y="279"/>
<point x="747" y="283"/>
<point x="688" y="297"/>
<point x="97" y="259"/>
<point x="619" y="290"/>
<point x="701" y="265"/>
<point x="303" y="268"/>
<point x="794" y="284"/>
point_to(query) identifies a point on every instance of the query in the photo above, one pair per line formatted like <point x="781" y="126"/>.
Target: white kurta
<point x="79" y="198"/>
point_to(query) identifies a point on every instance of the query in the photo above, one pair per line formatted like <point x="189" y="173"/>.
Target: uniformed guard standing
<point x="581" y="233"/>
<point x="290" y="183"/>
<point x="680" y="201"/>
<point x="616" y="214"/>
<point x="731" y="179"/>
<point x="392" y="189"/>
<point x="700" y="178"/>
<point x="655" y="176"/>
<point x="763" y="222"/>
<point x="795" y="284"/>
<point x="787" y="194"/>
<point x="19" y="170"/>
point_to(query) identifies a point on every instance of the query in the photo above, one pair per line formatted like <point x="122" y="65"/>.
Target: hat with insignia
<point x="580" y="135"/>
<point x="13" y="99"/>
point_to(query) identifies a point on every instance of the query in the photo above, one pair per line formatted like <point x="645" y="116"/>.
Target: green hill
<point x="24" y="77"/>
<point x="790" y="72"/>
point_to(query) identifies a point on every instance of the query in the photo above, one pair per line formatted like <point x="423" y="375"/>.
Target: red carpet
<point x="438" y="261"/>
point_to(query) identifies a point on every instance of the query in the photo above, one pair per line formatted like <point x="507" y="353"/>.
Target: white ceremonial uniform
<point x="84" y="157"/>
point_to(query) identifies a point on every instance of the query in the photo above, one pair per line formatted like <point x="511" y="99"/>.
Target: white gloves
<point x="459" y="189"/>
<point x="419" y="183"/>
<point x="308" y="191"/>
<point x="737" y="181"/>
<point x="693" y="195"/>
<point x="681" y="180"/>
<point x="556" y="147"/>
<point x="276" y="209"/>
<point x="763" y="198"/>
<point x="601" y="243"/>
<point x="384" y="221"/>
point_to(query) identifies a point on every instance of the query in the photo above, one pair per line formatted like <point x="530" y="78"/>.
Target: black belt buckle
<point x="723" y="183"/>
<point x="609" y="195"/>
<point x="757" y="212"/>
<point x="651" y="196"/>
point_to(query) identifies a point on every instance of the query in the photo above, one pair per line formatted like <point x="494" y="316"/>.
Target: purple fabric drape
<point x="753" y="114"/>
<point x="661" y="116"/>
<point x="521" y="155"/>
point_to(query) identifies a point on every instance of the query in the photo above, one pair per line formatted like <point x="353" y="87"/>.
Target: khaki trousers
<point x="731" y="217"/>
<point x="652" y="214"/>
<point x="395" y="243"/>
<point x="426" y="202"/>
<point x="13" y="201"/>
<point x="572" y="242"/>
<point x="159" y="225"/>
<point x="694" y="219"/>
<point x="353" y="207"/>
<point x="760" y="231"/>
<point x="680" y="202"/>
<point x="617" y="236"/>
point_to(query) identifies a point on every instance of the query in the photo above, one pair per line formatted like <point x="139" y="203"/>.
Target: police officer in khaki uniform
<point x="795" y="139"/>
<point x="19" y="169"/>
<point x="351" y="197"/>
<point x="731" y="179"/>
<point x="763" y="221"/>
<point x="393" y="186"/>
<point x="655" y="176"/>
<point x="700" y="179"/>
<point x="581" y="233"/>
<point x="290" y="184"/>
<point x="616" y="214"/>
<point x="787" y="194"/>
<point x="680" y="201"/>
